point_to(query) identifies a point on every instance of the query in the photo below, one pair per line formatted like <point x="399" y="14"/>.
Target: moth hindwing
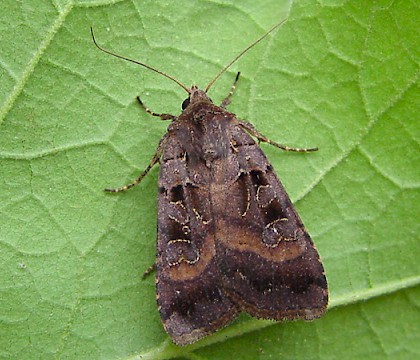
<point x="229" y="238"/>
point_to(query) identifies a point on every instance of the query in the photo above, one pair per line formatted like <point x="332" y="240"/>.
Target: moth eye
<point x="185" y="103"/>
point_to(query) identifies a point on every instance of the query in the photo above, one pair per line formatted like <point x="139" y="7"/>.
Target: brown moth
<point x="229" y="238"/>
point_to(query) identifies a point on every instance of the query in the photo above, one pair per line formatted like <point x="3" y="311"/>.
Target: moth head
<point x="195" y="96"/>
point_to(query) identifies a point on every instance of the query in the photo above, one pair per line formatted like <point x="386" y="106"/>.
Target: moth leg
<point x="161" y="116"/>
<point x="153" y="162"/>
<point x="149" y="270"/>
<point x="226" y="100"/>
<point x="254" y="132"/>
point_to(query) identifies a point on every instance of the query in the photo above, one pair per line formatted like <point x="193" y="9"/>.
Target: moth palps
<point x="229" y="238"/>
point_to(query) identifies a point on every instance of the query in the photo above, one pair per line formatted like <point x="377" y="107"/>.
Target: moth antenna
<point x="138" y="63"/>
<point x="243" y="52"/>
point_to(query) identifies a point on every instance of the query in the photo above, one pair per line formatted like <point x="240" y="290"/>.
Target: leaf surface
<point x="339" y="75"/>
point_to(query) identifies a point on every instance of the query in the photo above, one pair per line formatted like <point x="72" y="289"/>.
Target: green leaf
<point x="340" y="75"/>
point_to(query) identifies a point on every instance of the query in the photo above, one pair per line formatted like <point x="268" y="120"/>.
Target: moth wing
<point x="269" y="264"/>
<point x="190" y="296"/>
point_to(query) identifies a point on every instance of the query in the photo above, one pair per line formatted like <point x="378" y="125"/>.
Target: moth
<point x="228" y="237"/>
